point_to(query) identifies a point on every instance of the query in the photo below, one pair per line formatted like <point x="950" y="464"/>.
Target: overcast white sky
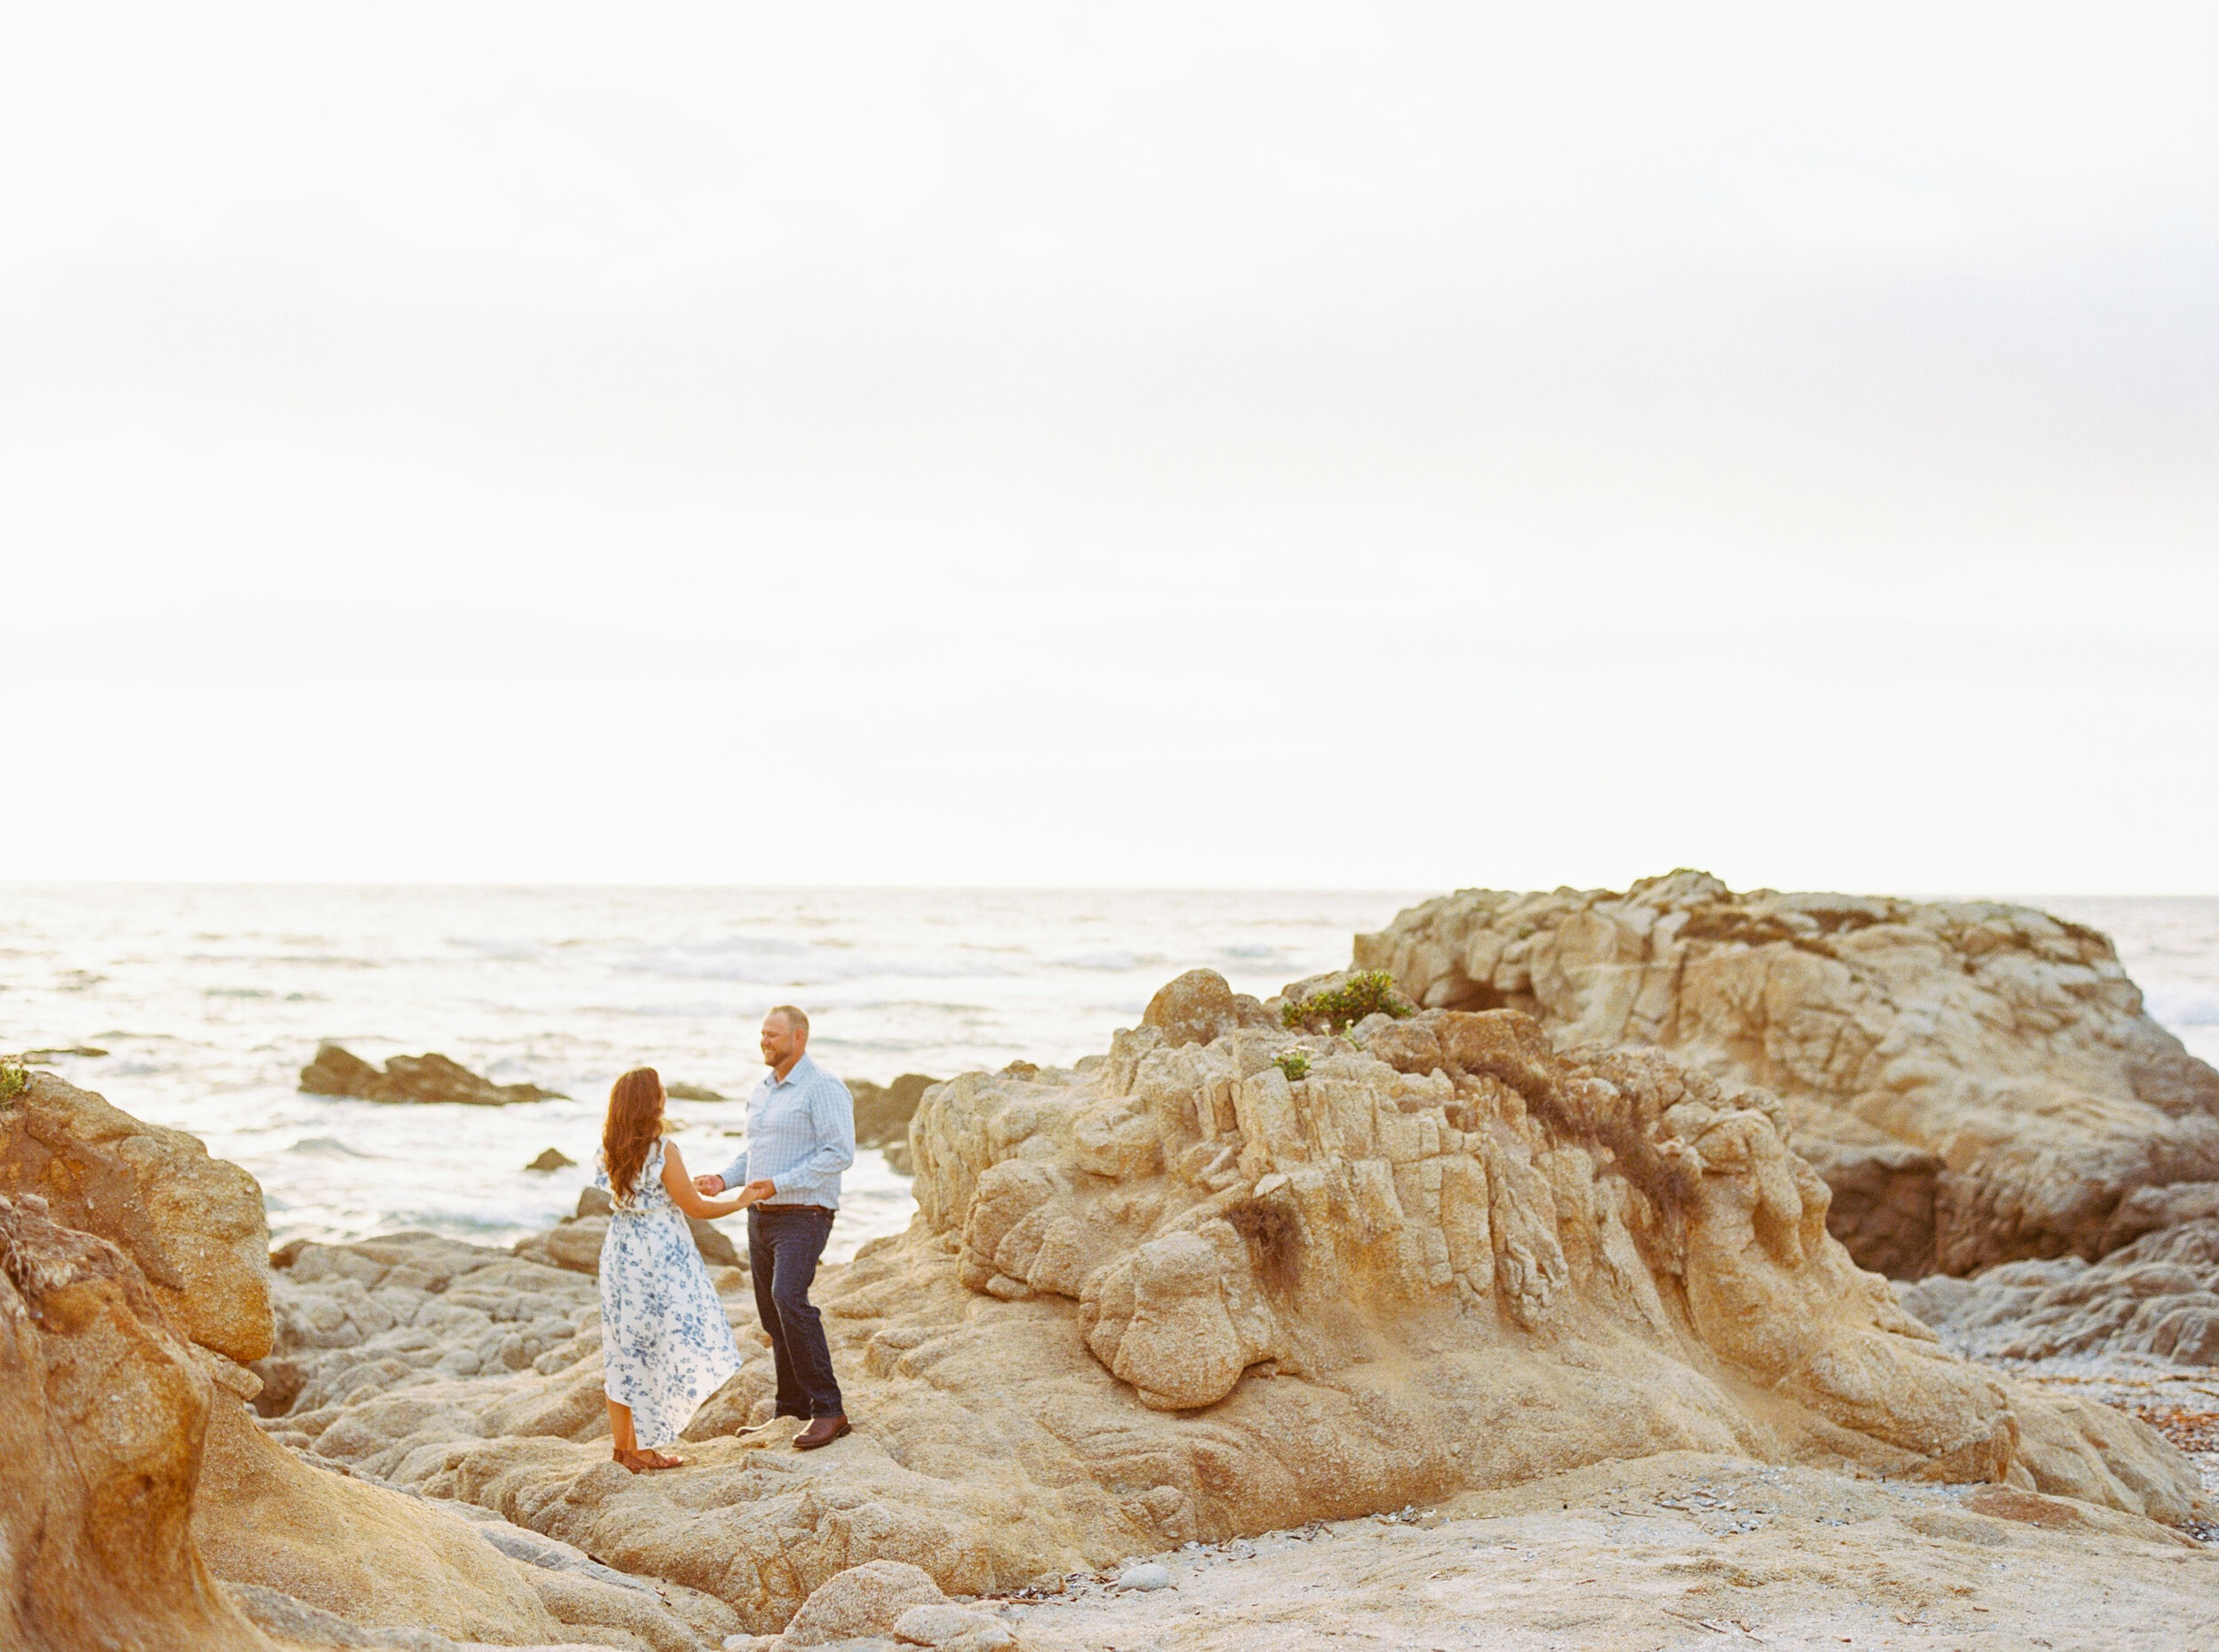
<point x="1358" y="447"/>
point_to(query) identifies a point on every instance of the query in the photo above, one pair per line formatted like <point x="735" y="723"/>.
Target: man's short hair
<point x="794" y="1018"/>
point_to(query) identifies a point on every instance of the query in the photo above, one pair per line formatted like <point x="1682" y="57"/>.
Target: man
<point x="801" y="1135"/>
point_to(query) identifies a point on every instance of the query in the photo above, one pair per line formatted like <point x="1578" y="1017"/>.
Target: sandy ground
<point x="1670" y="1552"/>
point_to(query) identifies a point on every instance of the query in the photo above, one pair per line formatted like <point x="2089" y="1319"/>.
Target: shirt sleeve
<point x="831" y="1116"/>
<point x="736" y="1173"/>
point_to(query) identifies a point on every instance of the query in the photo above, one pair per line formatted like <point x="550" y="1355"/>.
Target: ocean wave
<point x="328" y="1147"/>
<point x="1113" y="959"/>
<point x="765" y="961"/>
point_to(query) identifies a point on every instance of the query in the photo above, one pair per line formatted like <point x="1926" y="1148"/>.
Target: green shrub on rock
<point x="1336" y="1008"/>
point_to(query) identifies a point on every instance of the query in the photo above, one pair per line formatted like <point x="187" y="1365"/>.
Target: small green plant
<point x="14" y="1081"/>
<point x="1294" y="1063"/>
<point x="1337" y="1008"/>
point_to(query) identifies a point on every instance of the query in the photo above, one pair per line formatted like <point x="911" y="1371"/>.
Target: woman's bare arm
<point x="685" y="1196"/>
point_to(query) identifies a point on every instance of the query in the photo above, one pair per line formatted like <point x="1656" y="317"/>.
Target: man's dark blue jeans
<point x="783" y="1247"/>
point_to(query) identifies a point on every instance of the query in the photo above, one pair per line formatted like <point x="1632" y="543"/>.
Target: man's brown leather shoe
<point x="821" y="1431"/>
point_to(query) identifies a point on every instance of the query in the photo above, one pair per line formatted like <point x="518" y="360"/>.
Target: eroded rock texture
<point x="1174" y="1294"/>
<point x="2156" y="1299"/>
<point x="2005" y="1049"/>
<point x="105" y="1404"/>
<point x="141" y="1507"/>
<point x="193" y="1224"/>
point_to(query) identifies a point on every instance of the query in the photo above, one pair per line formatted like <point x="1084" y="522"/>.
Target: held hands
<point x="753" y="1193"/>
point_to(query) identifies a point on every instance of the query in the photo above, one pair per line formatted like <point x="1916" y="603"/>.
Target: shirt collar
<point x="792" y="1073"/>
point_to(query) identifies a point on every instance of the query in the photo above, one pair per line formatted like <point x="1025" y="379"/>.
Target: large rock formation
<point x="104" y="1405"/>
<point x="194" y="1225"/>
<point x="337" y="1070"/>
<point x="135" y="1478"/>
<point x="1175" y="1294"/>
<point x="1979" y="1082"/>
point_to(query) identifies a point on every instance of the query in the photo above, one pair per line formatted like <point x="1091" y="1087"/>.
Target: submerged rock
<point x="553" y="1158"/>
<point x="2006" y="1044"/>
<point x="339" y="1071"/>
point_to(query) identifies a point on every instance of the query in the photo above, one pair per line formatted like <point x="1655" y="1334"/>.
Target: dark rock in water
<point x="85" y="1050"/>
<point x="553" y="1159"/>
<point x="692" y="1092"/>
<point x="1884" y="1202"/>
<point x="883" y="1111"/>
<point x="433" y="1078"/>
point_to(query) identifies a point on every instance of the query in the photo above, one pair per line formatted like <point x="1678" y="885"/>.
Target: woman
<point x="664" y="1343"/>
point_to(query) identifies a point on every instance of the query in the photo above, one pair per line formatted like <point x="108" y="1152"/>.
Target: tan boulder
<point x="2004" y="1050"/>
<point x="104" y="1404"/>
<point x="865" y="1600"/>
<point x="194" y="1224"/>
<point x="1200" y="1006"/>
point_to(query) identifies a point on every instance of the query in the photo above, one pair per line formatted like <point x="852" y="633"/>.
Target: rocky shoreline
<point x="1403" y="1324"/>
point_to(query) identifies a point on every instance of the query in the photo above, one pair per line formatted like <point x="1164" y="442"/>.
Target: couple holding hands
<point x="666" y="1345"/>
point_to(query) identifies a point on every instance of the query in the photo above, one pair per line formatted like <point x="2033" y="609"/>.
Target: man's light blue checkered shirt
<point x="801" y="1133"/>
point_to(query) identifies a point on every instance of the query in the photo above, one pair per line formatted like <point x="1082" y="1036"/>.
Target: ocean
<point x="207" y="999"/>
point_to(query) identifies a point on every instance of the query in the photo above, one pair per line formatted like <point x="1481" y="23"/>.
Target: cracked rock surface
<point x="1979" y="1082"/>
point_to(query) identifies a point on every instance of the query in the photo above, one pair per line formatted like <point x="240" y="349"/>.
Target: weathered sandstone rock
<point x="194" y="1225"/>
<point x="2145" y="1210"/>
<point x="2009" y="1045"/>
<point x="1678" y="1551"/>
<point x="2157" y="1299"/>
<point x="374" y="1557"/>
<point x="1172" y="1295"/>
<point x="1199" y="1007"/>
<point x="135" y="1478"/>
<point x="864" y="1600"/>
<point x="104" y="1403"/>
<point x="339" y="1071"/>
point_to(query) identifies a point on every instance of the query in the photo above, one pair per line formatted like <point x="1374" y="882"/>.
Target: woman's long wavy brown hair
<point x="636" y="1118"/>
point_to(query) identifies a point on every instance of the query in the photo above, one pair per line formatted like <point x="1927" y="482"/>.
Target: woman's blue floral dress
<point x="665" y="1342"/>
